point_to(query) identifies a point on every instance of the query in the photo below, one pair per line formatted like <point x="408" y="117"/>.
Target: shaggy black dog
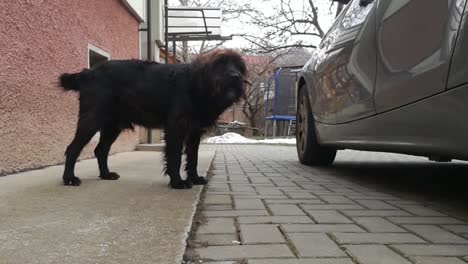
<point x="182" y="99"/>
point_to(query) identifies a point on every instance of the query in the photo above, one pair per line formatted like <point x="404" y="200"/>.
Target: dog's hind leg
<point x="108" y="137"/>
<point x="86" y="129"/>
<point x="173" y="151"/>
<point x="192" y="142"/>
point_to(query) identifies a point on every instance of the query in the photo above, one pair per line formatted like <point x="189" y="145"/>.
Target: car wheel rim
<point x="302" y="126"/>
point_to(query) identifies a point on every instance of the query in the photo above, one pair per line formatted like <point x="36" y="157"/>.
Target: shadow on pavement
<point x="440" y="183"/>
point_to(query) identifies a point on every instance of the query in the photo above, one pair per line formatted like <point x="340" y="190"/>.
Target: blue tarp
<point x="281" y="118"/>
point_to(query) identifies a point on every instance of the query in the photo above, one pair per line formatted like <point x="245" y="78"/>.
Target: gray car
<point x="389" y="75"/>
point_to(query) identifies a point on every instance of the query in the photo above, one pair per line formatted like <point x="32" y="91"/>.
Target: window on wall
<point x="96" y="56"/>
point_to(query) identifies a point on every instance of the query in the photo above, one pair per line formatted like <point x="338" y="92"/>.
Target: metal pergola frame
<point x="188" y="36"/>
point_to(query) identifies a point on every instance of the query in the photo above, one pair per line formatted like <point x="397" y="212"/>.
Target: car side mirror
<point x="342" y="1"/>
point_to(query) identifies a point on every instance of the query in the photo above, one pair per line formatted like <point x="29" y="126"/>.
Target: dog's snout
<point x="234" y="74"/>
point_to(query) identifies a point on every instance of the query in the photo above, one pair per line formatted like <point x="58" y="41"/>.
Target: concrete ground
<point x="137" y="219"/>
<point x="263" y="207"/>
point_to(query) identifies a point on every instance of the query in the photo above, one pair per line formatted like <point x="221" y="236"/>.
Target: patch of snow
<point x="278" y="141"/>
<point x="229" y="138"/>
<point x="234" y="138"/>
<point x="237" y="123"/>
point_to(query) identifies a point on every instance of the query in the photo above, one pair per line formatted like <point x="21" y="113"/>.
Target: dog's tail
<point x="71" y="81"/>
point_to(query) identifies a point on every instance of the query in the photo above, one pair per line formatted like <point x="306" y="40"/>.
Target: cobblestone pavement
<point x="263" y="207"/>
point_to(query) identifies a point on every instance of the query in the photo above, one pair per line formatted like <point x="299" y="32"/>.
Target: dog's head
<point x="221" y="75"/>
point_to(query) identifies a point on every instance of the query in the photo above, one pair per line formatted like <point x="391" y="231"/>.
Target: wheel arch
<point x="302" y="84"/>
<point x="309" y="149"/>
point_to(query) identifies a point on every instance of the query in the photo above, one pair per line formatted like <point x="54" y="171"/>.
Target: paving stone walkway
<point x="263" y="207"/>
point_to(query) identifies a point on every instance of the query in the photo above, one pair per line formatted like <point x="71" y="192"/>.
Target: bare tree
<point x="287" y="21"/>
<point x="254" y="102"/>
<point x="259" y="70"/>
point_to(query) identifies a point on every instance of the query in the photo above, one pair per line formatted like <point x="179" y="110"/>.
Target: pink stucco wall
<point x="39" y="40"/>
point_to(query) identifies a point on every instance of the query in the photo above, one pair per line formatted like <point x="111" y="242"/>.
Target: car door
<point x="415" y="40"/>
<point x="349" y="68"/>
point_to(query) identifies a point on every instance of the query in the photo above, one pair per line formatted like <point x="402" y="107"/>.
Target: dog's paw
<point x="72" y="181"/>
<point x="198" y="180"/>
<point x="188" y="184"/>
<point x="110" y="176"/>
<point x="181" y="185"/>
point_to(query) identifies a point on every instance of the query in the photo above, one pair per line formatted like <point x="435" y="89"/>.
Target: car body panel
<point x="415" y="41"/>
<point x="321" y="94"/>
<point x="345" y="67"/>
<point x="422" y="128"/>
<point x="321" y="97"/>
<point x="421" y="82"/>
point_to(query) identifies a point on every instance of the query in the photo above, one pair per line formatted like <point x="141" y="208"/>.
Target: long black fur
<point x="182" y="99"/>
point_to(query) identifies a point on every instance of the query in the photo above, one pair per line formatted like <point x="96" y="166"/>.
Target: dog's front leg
<point x="174" y="143"/>
<point x="192" y="142"/>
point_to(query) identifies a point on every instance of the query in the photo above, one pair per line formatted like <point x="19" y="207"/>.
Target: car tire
<point x="309" y="151"/>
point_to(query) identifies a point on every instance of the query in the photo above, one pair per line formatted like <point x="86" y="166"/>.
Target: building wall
<point x="39" y="40"/>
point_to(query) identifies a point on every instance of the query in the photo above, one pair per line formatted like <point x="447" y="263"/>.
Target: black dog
<point x="183" y="99"/>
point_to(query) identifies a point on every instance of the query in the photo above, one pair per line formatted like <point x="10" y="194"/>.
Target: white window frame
<point x="99" y="51"/>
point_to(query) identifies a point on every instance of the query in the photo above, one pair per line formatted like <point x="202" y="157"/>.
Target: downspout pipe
<point x="149" y="49"/>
